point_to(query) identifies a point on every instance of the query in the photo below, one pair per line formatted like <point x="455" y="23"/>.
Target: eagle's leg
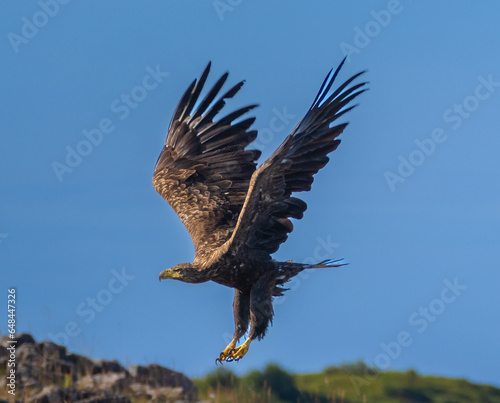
<point x="261" y="314"/>
<point x="241" y="310"/>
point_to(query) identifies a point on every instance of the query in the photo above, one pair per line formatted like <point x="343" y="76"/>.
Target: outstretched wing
<point x="204" y="171"/>
<point x="264" y="221"/>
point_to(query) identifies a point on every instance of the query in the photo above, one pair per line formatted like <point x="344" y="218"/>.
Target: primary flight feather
<point x="237" y="215"/>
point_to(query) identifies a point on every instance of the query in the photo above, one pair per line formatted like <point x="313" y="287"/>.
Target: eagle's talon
<point x="225" y="356"/>
<point x="230" y="355"/>
<point x="237" y="353"/>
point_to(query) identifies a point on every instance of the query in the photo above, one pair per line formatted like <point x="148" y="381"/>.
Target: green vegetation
<point x="348" y="383"/>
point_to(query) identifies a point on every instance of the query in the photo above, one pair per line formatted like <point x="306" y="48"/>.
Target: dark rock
<point x="163" y="380"/>
<point x="46" y="372"/>
<point x="113" y="381"/>
<point x="82" y="365"/>
<point x="107" y="366"/>
<point x="55" y="394"/>
<point x="21" y="338"/>
<point x="156" y="375"/>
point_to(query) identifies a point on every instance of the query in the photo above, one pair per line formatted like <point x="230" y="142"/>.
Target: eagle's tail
<point x="326" y="263"/>
<point x="289" y="269"/>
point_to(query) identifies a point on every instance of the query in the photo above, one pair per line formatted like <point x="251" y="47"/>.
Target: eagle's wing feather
<point x="264" y="220"/>
<point x="204" y="171"/>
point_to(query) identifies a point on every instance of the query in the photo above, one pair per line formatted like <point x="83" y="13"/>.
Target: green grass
<point x="350" y="383"/>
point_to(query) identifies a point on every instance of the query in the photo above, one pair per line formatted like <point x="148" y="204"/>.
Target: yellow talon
<point x="238" y="353"/>
<point x="232" y="353"/>
<point x="226" y="353"/>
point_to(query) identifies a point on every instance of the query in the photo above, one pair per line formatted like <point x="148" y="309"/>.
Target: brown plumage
<point x="237" y="215"/>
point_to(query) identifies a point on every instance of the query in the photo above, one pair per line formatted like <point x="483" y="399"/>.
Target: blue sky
<point x="410" y="198"/>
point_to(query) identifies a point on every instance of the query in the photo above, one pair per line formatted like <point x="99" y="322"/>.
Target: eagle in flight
<point x="237" y="214"/>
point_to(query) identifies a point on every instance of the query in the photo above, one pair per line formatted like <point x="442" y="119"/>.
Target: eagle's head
<point x="186" y="272"/>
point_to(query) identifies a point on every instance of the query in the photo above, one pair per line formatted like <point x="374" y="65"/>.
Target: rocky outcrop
<point x="46" y="372"/>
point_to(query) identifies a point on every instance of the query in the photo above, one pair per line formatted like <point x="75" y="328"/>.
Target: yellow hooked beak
<point x="168" y="274"/>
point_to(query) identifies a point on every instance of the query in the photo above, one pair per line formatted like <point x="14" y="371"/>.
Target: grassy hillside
<point x="349" y="383"/>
